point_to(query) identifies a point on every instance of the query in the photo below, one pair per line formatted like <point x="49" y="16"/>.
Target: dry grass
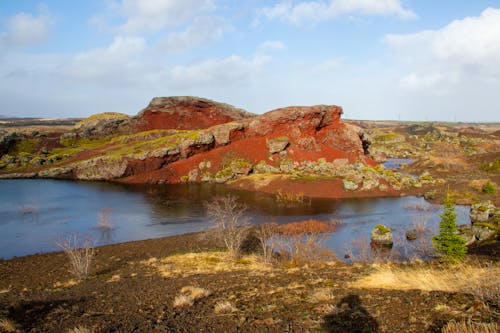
<point x="66" y="284"/>
<point x="482" y="282"/>
<point x="224" y="307"/>
<point x="114" y="278"/>
<point x="290" y="199"/>
<point x="183" y="301"/>
<point x="189" y="295"/>
<point x="321" y="295"/>
<point x="470" y="327"/>
<point x="206" y="263"/>
<point x="80" y="329"/>
<point x="8" y="326"/>
<point x="195" y="293"/>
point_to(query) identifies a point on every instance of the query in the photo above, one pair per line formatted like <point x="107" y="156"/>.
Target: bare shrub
<point x="304" y="242"/>
<point x="360" y="251"/>
<point x="470" y="327"/>
<point x="265" y="233"/>
<point x="224" y="307"/>
<point x="291" y="199"/>
<point x="230" y="222"/>
<point x="80" y="257"/>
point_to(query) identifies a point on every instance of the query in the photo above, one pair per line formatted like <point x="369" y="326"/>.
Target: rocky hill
<point x="188" y="139"/>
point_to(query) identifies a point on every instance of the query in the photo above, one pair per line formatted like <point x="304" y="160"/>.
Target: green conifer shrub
<point x="448" y="243"/>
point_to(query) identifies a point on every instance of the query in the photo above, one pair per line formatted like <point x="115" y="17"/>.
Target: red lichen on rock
<point x="186" y="113"/>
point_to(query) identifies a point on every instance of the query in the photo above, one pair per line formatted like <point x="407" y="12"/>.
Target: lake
<point x="37" y="214"/>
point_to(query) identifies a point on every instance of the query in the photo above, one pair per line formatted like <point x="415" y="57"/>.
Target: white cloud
<point x="310" y="12"/>
<point x="116" y="61"/>
<point x="202" y="30"/>
<point x="25" y="29"/>
<point x="233" y="70"/>
<point x="464" y="50"/>
<point x="270" y="45"/>
<point x="154" y="15"/>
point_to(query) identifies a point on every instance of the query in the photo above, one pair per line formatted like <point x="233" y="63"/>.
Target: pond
<point x="37" y="214"/>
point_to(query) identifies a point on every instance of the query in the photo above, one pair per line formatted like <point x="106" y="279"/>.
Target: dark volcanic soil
<point x="124" y="295"/>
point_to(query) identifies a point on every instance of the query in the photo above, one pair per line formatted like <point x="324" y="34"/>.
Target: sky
<point x="378" y="59"/>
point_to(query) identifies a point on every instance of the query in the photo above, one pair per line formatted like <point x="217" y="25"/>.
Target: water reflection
<point x="142" y="212"/>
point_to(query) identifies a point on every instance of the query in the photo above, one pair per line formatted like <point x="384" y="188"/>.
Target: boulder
<point x="382" y="235"/>
<point x="349" y="184"/>
<point x="411" y="235"/>
<point x="482" y="211"/>
<point x="484" y="231"/>
<point x="277" y="144"/>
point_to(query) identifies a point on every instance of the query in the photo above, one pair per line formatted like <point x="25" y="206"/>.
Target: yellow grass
<point x="114" y="278"/>
<point x="183" y="301"/>
<point x="321" y="295"/>
<point x="470" y="327"/>
<point x="483" y="282"/>
<point x="224" y="307"/>
<point x="205" y="263"/>
<point x="66" y="284"/>
<point x="7" y="325"/>
<point x="189" y="295"/>
<point x="80" y="329"/>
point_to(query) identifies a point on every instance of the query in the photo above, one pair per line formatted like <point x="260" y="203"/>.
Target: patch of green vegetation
<point x="25" y="146"/>
<point x="389" y="136"/>
<point x="489" y="188"/>
<point x="185" y="178"/>
<point x="493" y="166"/>
<point x="426" y="178"/>
<point x="382" y="229"/>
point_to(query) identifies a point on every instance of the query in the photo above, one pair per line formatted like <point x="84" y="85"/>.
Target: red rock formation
<point x="186" y="113"/>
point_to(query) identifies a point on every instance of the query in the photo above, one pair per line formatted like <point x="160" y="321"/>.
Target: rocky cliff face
<point x="186" y="113"/>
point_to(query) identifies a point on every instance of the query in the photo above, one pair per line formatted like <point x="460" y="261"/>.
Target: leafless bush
<point x="265" y="233"/>
<point x="230" y="222"/>
<point x="80" y="257"/>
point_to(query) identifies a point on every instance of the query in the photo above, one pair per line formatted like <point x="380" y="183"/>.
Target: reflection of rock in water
<point x="350" y="316"/>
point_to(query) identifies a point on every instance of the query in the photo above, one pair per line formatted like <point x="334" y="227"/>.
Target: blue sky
<point x="378" y="59"/>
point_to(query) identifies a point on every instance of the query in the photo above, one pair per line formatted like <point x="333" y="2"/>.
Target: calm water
<point x="36" y="214"/>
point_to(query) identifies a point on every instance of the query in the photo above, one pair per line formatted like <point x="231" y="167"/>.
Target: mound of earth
<point x="186" y="113"/>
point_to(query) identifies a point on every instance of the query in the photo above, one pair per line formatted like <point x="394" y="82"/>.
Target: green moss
<point x="390" y="136"/>
<point x="185" y="178"/>
<point x="493" y="166"/>
<point x="382" y="229"/>
<point x="488" y="225"/>
<point x="25" y="146"/>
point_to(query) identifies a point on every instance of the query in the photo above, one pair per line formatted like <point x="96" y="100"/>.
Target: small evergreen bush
<point x="448" y="243"/>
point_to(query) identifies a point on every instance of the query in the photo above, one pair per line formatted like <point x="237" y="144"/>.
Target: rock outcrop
<point x="186" y="113"/>
<point x="187" y="139"/>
